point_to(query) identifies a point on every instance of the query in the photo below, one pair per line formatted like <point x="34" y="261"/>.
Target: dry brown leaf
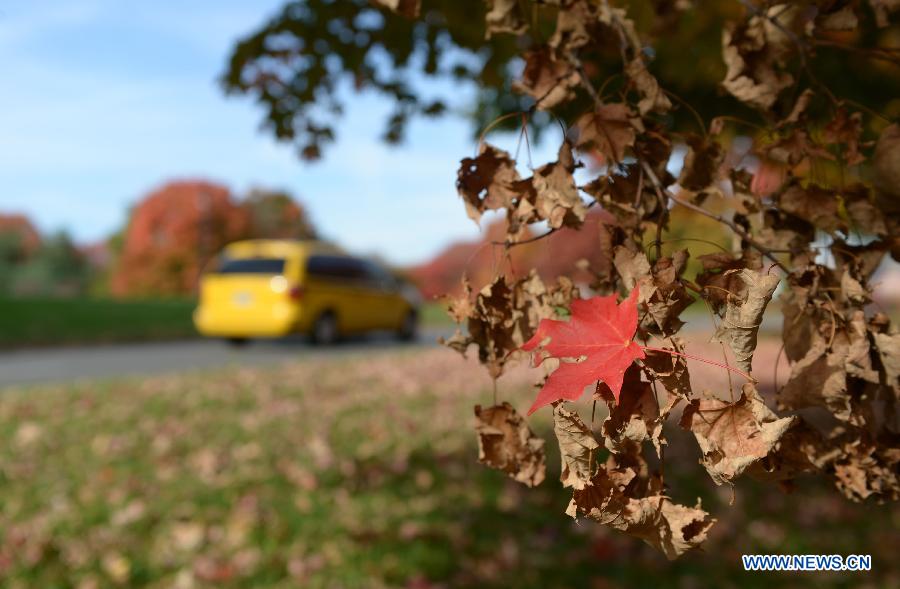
<point x="733" y="436"/>
<point x="670" y="296"/>
<point x="720" y="278"/>
<point x="617" y="193"/>
<point x="819" y="379"/>
<point x="634" y="268"/>
<point x="752" y="54"/>
<point x="547" y="79"/>
<point x="669" y="527"/>
<point x="661" y="289"/>
<point x="800" y="331"/>
<point x="576" y="25"/>
<point x="843" y="19"/>
<point x="556" y="198"/>
<point x="701" y="164"/>
<point x="405" y="8"/>
<point x="886" y="168"/>
<point x="610" y="130"/>
<point x="852" y="290"/>
<point x="576" y="446"/>
<point x="504" y="16"/>
<point x="635" y="418"/>
<point x="814" y="204"/>
<point x="859" y="349"/>
<point x="487" y="182"/>
<point x="845" y="130"/>
<point x="743" y="316"/>
<point x="459" y="308"/>
<point x="506" y="443"/>
<point x="794" y="455"/>
<point x="504" y="316"/>
<point x="860" y="260"/>
<point x="883" y="10"/>
<point x="863" y="466"/>
<point x="863" y="215"/>
<point x="653" y="99"/>
<point x="888" y="346"/>
<point x="798" y="112"/>
<point x="671" y="371"/>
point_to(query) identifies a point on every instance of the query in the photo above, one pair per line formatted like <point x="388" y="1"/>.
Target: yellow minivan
<point x="272" y="288"/>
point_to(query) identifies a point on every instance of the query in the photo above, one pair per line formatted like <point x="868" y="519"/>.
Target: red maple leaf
<point x="594" y="344"/>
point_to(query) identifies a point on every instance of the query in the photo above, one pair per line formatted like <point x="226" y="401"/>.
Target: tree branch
<point x="728" y="222"/>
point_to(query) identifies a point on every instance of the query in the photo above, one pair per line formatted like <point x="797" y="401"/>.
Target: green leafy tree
<point x="57" y="268"/>
<point x="276" y="215"/>
<point x="299" y="65"/>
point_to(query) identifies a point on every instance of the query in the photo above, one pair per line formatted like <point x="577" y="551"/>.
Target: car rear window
<point x="251" y="266"/>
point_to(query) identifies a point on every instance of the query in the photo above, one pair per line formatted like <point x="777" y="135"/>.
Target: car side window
<point x="379" y="277"/>
<point x="348" y="270"/>
<point x="335" y="268"/>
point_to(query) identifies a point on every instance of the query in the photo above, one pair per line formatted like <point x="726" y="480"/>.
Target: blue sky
<point x="105" y="100"/>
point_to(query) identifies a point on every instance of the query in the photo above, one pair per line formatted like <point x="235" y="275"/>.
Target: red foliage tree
<point x="172" y="234"/>
<point x="18" y="227"/>
<point x="560" y="254"/>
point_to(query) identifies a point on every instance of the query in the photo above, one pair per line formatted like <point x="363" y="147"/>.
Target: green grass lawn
<point x="353" y="472"/>
<point x="48" y="321"/>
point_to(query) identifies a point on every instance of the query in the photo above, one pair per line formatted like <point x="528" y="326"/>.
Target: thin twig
<point x="712" y="319"/>
<point x="701" y="359"/>
<point x="698" y="240"/>
<point x="586" y="83"/>
<point x="591" y="450"/>
<point x="690" y="108"/>
<point x="537" y="237"/>
<point x="493" y="124"/>
<point x="728" y="222"/>
<point x="889" y="55"/>
<point x="777" y="361"/>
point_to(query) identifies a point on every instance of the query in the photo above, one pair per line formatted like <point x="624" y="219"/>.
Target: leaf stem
<point x="700" y="359"/>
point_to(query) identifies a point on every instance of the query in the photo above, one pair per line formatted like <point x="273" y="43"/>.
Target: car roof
<point x="255" y="248"/>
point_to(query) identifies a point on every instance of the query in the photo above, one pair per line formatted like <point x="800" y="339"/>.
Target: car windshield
<point x="270" y="266"/>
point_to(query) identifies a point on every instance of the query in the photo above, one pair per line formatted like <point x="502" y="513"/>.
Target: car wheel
<point x="325" y="330"/>
<point x="237" y="342"/>
<point x="409" y="329"/>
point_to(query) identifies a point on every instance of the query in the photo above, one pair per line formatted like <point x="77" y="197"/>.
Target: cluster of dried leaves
<point x="819" y="236"/>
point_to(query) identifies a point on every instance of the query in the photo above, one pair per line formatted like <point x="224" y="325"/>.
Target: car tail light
<point x="296" y="293"/>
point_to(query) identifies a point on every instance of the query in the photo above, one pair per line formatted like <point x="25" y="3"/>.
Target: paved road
<point x="68" y="364"/>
